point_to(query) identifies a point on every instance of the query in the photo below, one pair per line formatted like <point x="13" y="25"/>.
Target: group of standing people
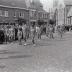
<point x="23" y="32"/>
<point x="26" y="32"/>
<point x="32" y="32"/>
<point x="19" y="32"/>
<point x="50" y="31"/>
<point x="6" y="33"/>
<point x="60" y="29"/>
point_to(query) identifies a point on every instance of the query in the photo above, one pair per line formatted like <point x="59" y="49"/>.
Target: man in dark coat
<point x="1" y="36"/>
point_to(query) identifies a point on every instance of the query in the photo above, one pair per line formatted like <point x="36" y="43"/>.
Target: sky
<point x="49" y="3"/>
<point x="46" y="3"/>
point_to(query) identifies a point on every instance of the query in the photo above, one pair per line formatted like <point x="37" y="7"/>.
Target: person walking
<point x="24" y="29"/>
<point x="41" y="31"/>
<point x="19" y="34"/>
<point x="11" y="34"/>
<point x="47" y="33"/>
<point x="37" y="31"/>
<point x="15" y="32"/>
<point x="51" y="32"/>
<point x="60" y="32"/>
<point x="33" y="33"/>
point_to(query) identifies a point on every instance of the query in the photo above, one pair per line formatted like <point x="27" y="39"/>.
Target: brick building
<point x="37" y="12"/>
<point x="9" y="12"/>
<point x="68" y="12"/>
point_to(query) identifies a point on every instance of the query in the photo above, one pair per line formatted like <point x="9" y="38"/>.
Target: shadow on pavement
<point x="43" y="44"/>
<point x="8" y="52"/>
<point x="17" y="56"/>
<point x="2" y="66"/>
<point x="55" y="39"/>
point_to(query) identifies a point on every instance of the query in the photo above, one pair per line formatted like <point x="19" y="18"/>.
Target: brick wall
<point x="13" y="13"/>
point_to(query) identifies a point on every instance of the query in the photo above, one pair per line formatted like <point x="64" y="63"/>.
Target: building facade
<point x="33" y="16"/>
<point x="43" y="16"/>
<point x="68" y="14"/>
<point x="37" y="13"/>
<point x="10" y="14"/>
<point x="59" y="12"/>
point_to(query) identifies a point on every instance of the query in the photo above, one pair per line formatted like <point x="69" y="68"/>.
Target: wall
<point x="11" y="13"/>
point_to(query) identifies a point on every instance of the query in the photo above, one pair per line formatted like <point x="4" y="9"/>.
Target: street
<point x="47" y="56"/>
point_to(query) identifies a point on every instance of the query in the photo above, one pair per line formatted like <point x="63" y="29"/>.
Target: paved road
<point x="47" y="56"/>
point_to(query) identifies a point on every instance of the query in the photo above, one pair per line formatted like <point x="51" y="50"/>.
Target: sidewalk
<point x="16" y="44"/>
<point x="50" y="54"/>
<point x="56" y="34"/>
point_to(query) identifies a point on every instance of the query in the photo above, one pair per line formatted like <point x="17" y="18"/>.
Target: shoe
<point x="34" y="44"/>
<point x="25" y="44"/>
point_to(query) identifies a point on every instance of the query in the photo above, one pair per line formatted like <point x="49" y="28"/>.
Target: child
<point x="19" y="35"/>
<point x="24" y="29"/>
<point x="51" y="32"/>
<point x="7" y="35"/>
<point x="37" y="31"/>
<point x="33" y="32"/>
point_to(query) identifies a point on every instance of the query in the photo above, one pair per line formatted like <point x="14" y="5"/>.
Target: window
<point x="23" y="15"/>
<point x="6" y="13"/>
<point x="42" y="15"/>
<point x="20" y="14"/>
<point x="45" y="15"/>
<point x="14" y="14"/>
<point x="32" y="13"/>
<point x="0" y="12"/>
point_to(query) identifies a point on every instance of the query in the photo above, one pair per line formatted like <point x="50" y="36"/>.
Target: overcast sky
<point x="49" y="3"/>
<point x="46" y="3"/>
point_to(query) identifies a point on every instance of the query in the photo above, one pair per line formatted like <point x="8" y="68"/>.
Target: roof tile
<point x="13" y="3"/>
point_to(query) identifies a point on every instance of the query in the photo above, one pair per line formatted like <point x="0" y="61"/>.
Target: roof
<point x="70" y="13"/>
<point x="13" y="3"/>
<point x="36" y="5"/>
<point x="68" y="2"/>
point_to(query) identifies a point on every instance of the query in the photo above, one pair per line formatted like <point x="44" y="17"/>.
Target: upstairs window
<point x="23" y="15"/>
<point x="19" y="14"/>
<point x="45" y="15"/>
<point x="6" y="13"/>
<point x="14" y="14"/>
<point x="30" y="13"/>
<point x="0" y="12"/>
<point x="42" y="15"/>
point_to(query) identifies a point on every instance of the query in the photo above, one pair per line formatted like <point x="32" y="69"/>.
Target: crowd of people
<point x="60" y="30"/>
<point x="10" y="33"/>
